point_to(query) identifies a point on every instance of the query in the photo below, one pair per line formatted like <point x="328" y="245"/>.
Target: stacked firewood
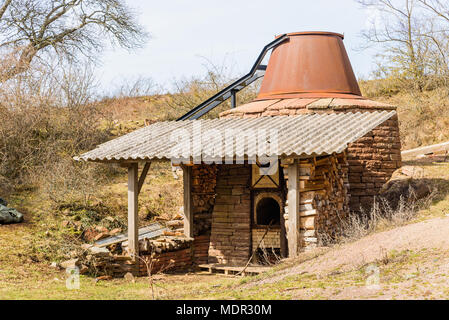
<point x="324" y="199"/>
<point x="204" y="178"/>
<point x="204" y="181"/>
<point x="163" y="244"/>
<point x="163" y="253"/>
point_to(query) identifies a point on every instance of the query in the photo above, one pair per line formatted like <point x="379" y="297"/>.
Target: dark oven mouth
<point x="268" y="211"/>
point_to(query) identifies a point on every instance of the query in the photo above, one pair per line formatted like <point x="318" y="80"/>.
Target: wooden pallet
<point x="229" y="270"/>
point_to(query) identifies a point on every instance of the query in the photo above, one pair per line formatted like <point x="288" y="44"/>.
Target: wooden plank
<point x="143" y="175"/>
<point x="307" y="213"/>
<point x="188" y="206"/>
<point x="426" y="149"/>
<point x="293" y="209"/>
<point x="211" y="268"/>
<point x="133" y="243"/>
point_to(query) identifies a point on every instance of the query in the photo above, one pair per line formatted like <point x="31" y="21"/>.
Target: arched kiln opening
<point x="268" y="210"/>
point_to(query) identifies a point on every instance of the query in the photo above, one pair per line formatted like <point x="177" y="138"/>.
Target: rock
<point x="101" y="229"/>
<point x="129" y="277"/>
<point x="9" y="215"/>
<point x="102" y="235"/>
<point x="409" y="189"/>
<point x="98" y="251"/>
<point x="89" y="234"/>
<point x="3" y="202"/>
<point x="70" y="263"/>
<point x="115" y="231"/>
<point x="412" y="171"/>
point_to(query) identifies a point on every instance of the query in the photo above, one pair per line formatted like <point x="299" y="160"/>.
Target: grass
<point x="427" y="110"/>
<point x="399" y="277"/>
<point x="440" y="205"/>
<point x="25" y="275"/>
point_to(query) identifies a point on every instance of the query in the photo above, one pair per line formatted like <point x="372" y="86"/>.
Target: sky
<point x="231" y="32"/>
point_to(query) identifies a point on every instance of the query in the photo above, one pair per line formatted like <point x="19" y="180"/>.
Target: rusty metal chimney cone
<point x="310" y="65"/>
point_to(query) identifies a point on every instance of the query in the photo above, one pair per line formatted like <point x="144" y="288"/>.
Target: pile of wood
<point x="204" y="181"/>
<point x="163" y="244"/>
<point x="204" y="178"/>
<point x="165" y="253"/>
<point x="324" y="198"/>
<point x="100" y="261"/>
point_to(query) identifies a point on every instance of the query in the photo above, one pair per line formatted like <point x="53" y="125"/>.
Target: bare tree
<point x="439" y="13"/>
<point x="62" y="28"/>
<point x="414" y="43"/>
<point x="438" y="7"/>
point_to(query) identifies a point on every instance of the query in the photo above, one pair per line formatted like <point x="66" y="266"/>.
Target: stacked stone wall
<point x="230" y="240"/>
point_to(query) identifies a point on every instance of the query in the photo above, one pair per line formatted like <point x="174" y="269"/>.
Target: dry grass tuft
<point x="382" y="216"/>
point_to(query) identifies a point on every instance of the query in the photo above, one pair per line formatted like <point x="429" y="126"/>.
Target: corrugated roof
<point x="301" y="135"/>
<point x="151" y="231"/>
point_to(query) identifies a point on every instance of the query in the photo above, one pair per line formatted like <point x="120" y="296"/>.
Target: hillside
<point x="70" y="200"/>
<point x="423" y="116"/>
<point x="411" y="257"/>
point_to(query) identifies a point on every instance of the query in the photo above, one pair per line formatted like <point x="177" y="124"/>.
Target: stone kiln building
<point x="330" y="150"/>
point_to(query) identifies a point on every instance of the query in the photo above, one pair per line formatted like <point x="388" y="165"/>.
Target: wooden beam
<point x="143" y="175"/>
<point x="293" y="209"/>
<point x="133" y="232"/>
<point x="188" y="206"/>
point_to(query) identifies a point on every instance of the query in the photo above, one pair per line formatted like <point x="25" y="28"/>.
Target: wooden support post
<point x="293" y="209"/>
<point x="133" y="191"/>
<point x="188" y="206"/>
<point x="143" y="175"/>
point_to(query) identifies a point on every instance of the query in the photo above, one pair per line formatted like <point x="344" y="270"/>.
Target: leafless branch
<point x="70" y="28"/>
